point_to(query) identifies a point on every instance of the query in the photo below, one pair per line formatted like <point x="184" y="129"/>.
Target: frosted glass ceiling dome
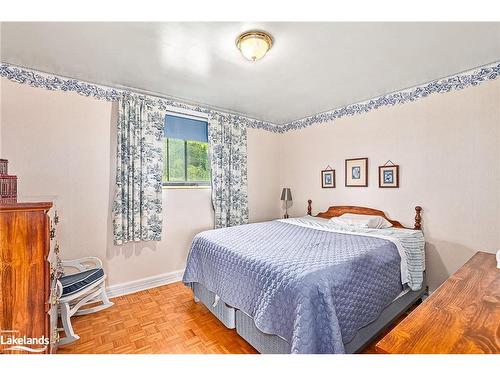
<point x="254" y="44"/>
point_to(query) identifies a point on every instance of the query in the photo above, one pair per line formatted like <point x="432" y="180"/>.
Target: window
<point x="185" y="152"/>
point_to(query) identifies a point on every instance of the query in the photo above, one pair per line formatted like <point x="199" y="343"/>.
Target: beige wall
<point x="263" y="175"/>
<point x="447" y="147"/>
<point x="62" y="144"/>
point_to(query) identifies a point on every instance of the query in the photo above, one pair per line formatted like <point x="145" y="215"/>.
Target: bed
<point x="308" y="285"/>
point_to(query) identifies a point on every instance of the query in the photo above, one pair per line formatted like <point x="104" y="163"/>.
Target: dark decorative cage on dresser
<point x="8" y="184"/>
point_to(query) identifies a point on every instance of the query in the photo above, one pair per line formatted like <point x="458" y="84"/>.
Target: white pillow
<point x="362" y="221"/>
<point x="345" y="222"/>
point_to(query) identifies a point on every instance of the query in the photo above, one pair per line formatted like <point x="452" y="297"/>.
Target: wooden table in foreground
<point x="461" y="316"/>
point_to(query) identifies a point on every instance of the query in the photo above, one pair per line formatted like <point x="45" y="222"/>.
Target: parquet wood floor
<point x="158" y="320"/>
<point x="154" y="321"/>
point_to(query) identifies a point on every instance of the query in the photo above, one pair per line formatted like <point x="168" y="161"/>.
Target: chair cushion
<point x="77" y="281"/>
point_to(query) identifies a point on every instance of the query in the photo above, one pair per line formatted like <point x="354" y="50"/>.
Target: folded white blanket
<point x="410" y="244"/>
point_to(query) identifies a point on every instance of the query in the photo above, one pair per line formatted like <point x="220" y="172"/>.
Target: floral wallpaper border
<point x="458" y="81"/>
<point x="53" y="82"/>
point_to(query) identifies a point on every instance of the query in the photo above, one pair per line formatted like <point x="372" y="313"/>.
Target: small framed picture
<point x="388" y="176"/>
<point x="328" y="178"/>
<point x="356" y="172"/>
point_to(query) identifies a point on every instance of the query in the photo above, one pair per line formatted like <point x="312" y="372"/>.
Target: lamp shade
<point x="286" y="194"/>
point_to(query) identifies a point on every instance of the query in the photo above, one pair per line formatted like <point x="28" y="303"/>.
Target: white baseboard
<point x="143" y="284"/>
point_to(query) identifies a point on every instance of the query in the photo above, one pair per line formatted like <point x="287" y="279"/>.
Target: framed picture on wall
<point x="388" y="176"/>
<point x="328" y="178"/>
<point x="356" y="172"/>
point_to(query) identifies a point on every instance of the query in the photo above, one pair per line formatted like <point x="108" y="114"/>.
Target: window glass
<point x="185" y="151"/>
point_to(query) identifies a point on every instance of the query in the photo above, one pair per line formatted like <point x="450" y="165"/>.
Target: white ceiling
<point x="312" y="67"/>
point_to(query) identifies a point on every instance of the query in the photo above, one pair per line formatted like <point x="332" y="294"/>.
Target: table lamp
<point x="286" y="196"/>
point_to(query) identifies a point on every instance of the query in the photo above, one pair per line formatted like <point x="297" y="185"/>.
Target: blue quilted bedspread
<point x="313" y="288"/>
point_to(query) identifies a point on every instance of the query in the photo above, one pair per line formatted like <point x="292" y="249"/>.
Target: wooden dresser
<point x="461" y="316"/>
<point x="25" y="278"/>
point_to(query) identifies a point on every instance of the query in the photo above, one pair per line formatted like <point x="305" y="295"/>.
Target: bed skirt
<point x="226" y="314"/>
<point x="262" y="342"/>
<point x="272" y="344"/>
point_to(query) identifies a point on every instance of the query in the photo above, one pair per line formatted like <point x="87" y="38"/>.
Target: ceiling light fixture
<point x="254" y="44"/>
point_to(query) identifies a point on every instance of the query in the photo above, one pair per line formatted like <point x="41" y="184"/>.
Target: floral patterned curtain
<point x="137" y="207"/>
<point x="227" y="137"/>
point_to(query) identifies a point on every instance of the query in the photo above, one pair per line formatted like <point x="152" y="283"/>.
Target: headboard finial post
<point x="418" y="218"/>
<point x="309" y="208"/>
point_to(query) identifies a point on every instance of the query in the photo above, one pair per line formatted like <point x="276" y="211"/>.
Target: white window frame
<point x="193" y="115"/>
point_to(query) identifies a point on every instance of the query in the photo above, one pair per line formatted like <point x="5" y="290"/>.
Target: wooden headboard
<point x="335" y="211"/>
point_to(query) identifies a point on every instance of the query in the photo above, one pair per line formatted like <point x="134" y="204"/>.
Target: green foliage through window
<point x="185" y="162"/>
